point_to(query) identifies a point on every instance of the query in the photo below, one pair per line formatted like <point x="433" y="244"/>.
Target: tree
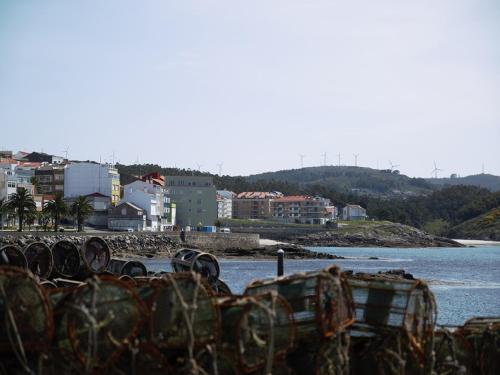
<point x="4" y="211"/>
<point x="22" y="204"/>
<point x="56" y="208"/>
<point x="36" y="185"/>
<point x="81" y="209"/>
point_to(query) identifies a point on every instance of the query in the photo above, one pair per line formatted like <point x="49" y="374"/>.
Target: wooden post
<point x="281" y="255"/>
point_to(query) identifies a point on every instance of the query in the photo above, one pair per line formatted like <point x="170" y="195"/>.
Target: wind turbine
<point x="393" y="165"/>
<point x="199" y="166"/>
<point x="65" y="152"/>
<point x="324" y="158"/>
<point x="436" y="170"/>
<point x="355" y="159"/>
<point x="301" y="156"/>
<point x="339" y="158"/>
<point x="219" y="165"/>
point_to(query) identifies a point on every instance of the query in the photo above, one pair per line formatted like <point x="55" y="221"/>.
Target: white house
<point x="353" y="212"/>
<point x="225" y="204"/>
<point x="152" y="199"/>
<point x="88" y="178"/>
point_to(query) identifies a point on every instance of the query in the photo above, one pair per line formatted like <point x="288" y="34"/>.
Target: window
<point x="124" y="211"/>
<point x="11" y="184"/>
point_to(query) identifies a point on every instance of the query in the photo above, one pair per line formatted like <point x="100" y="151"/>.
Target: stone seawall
<point x="149" y="244"/>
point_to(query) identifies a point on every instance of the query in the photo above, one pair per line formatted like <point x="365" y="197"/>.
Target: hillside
<point x="487" y="181"/>
<point x="351" y="179"/>
<point x="483" y="227"/>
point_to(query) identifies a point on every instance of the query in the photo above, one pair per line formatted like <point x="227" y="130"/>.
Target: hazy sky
<point x="253" y="84"/>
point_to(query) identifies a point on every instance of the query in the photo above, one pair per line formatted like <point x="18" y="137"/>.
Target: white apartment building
<point x="225" y="204"/>
<point x="89" y="177"/>
<point x="153" y="200"/>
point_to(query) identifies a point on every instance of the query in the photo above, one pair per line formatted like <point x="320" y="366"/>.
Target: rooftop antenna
<point x="436" y="170"/>
<point x="393" y="166"/>
<point x="355" y="159"/>
<point x="302" y="160"/>
<point x="113" y="158"/>
<point x="339" y="158"/>
<point x="219" y="166"/>
<point x="324" y="158"/>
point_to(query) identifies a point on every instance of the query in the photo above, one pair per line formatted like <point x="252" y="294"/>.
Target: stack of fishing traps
<point x="101" y="316"/>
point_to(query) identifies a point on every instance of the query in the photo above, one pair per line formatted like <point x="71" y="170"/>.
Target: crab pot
<point x="220" y="288"/>
<point x="170" y="323"/>
<point x="67" y="261"/>
<point x="39" y="258"/>
<point x="449" y="352"/>
<point x="320" y="301"/>
<point x="256" y="330"/>
<point x="186" y="260"/>
<point x="26" y="316"/>
<point x="12" y="255"/>
<point x="132" y="268"/>
<point x="96" y="321"/>
<point x="325" y="356"/>
<point x="478" y="346"/>
<point x="95" y="254"/>
<point x="392" y="314"/>
<point x="144" y="358"/>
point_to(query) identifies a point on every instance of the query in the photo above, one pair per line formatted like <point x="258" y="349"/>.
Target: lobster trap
<point x="394" y="328"/>
<point x="39" y="258"/>
<point x="132" y="268"/>
<point x="12" y="255"/>
<point x="96" y="321"/>
<point x="320" y="301"/>
<point x="190" y="260"/>
<point x="66" y="257"/>
<point x="256" y="331"/>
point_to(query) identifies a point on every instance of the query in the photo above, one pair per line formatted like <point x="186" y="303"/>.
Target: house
<point x="195" y="199"/>
<point x="100" y="206"/>
<point x="50" y="179"/>
<point x="152" y="199"/>
<point x="254" y="204"/>
<point x="225" y="203"/>
<point x="301" y="209"/>
<point x="41" y="157"/>
<point x="353" y="212"/>
<point x="127" y="216"/>
<point x="83" y="178"/>
<point x="13" y="175"/>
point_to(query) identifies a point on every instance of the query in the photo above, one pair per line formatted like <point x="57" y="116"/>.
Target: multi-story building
<point x="14" y="175"/>
<point x="225" y="204"/>
<point x="8" y="184"/>
<point x="353" y="212"/>
<point x="152" y="199"/>
<point x="50" y="179"/>
<point x="195" y="199"/>
<point x="254" y="204"/>
<point x="301" y="209"/>
<point x="89" y="177"/>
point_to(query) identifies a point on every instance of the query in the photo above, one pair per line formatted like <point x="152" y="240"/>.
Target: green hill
<point x="483" y="227"/>
<point x="487" y="181"/>
<point x="351" y="179"/>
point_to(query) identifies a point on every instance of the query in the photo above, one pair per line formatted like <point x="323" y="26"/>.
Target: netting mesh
<point x="97" y="320"/>
<point x="256" y="331"/>
<point x="39" y="258"/>
<point x="12" y="255"/>
<point x="66" y="258"/>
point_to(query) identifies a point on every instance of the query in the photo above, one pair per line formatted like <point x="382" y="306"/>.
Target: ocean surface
<point x="465" y="281"/>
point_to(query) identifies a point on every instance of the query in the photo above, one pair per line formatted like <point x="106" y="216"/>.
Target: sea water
<point x="465" y="281"/>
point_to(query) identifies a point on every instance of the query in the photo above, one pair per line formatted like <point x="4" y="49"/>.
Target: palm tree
<point x="36" y="185"/>
<point x="56" y="208"/>
<point x="23" y="204"/>
<point x="81" y="209"/>
<point x="4" y="210"/>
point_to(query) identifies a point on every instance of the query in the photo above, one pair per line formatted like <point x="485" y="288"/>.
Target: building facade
<point x="195" y="199"/>
<point x="127" y="216"/>
<point x="301" y="209"/>
<point x="50" y="179"/>
<point x="88" y="177"/>
<point x="225" y="204"/>
<point x="353" y="212"/>
<point x="254" y="204"/>
<point x="152" y="199"/>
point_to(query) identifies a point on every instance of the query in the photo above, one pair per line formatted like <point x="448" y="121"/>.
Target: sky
<point x="248" y="86"/>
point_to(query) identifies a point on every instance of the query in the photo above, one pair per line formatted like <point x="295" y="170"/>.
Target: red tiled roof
<point x="255" y="195"/>
<point x="294" y="198"/>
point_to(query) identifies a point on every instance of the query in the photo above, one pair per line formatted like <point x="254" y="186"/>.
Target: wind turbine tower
<point x="393" y="166"/>
<point x="436" y="170"/>
<point x="302" y="160"/>
<point x="324" y="159"/>
<point x="339" y="158"/>
<point x="356" y="159"/>
<point x="219" y="166"/>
